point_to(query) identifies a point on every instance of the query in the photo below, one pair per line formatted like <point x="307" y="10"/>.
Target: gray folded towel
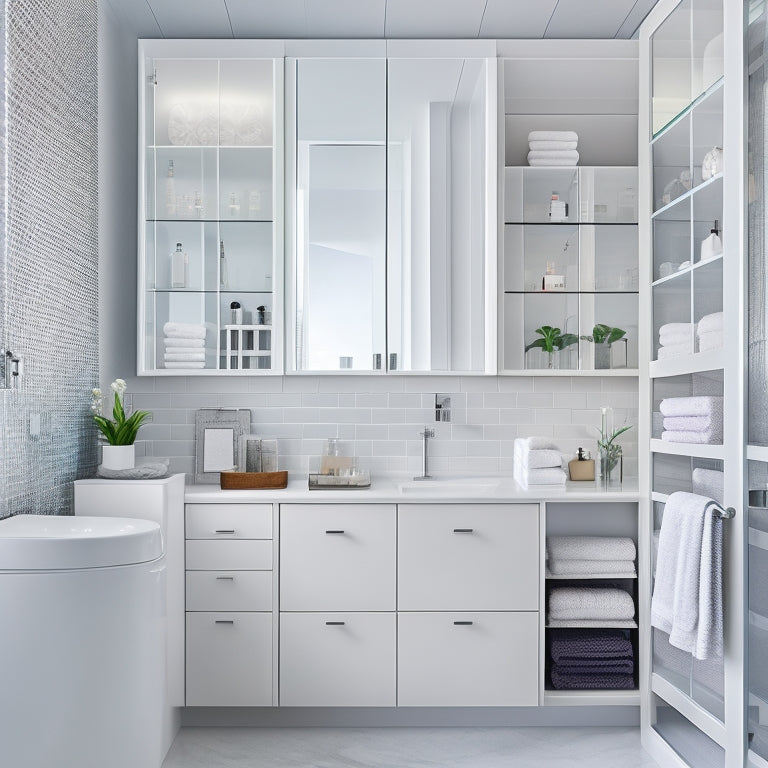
<point x="591" y="567"/>
<point x="591" y="603"/>
<point x="590" y="548"/>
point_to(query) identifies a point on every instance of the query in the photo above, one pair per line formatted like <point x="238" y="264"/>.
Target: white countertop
<point x="387" y="489"/>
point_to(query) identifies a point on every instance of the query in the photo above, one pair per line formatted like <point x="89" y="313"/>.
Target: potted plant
<point x="602" y="337"/>
<point x="609" y="451"/>
<point x="552" y="340"/>
<point x="119" y="431"/>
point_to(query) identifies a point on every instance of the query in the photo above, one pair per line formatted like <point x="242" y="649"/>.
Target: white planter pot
<point x="118" y="457"/>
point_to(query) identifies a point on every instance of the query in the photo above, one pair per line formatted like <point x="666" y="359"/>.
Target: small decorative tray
<point x="318" y="482"/>
<point x="232" y="481"/>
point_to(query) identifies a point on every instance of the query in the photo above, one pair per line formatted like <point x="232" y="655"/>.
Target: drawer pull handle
<point x="334" y="623"/>
<point x="225" y="578"/>
<point x="225" y="621"/>
<point x="334" y="531"/>
<point x="230" y="530"/>
<point x="463" y="623"/>
<point x="463" y="530"/>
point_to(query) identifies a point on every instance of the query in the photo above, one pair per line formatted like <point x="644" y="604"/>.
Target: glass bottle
<point x="179" y="268"/>
<point x="223" y="272"/>
<point x="170" y="192"/>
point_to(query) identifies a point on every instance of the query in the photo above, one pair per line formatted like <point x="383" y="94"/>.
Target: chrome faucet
<point x="425" y="435"/>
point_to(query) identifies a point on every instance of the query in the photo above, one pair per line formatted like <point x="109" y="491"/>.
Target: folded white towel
<point x="593" y="623"/>
<point x="179" y="357"/>
<point x="591" y="548"/>
<point x="692" y="423"/>
<point x="681" y="336"/>
<point x="178" y="341"/>
<point x="675" y="350"/>
<point x="184" y="330"/>
<point x="553" y="136"/>
<point x="700" y="405"/>
<point x="535" y="443"/>
<point x="713" y="322"/>
<point x="536" y="458"/>
<point x="169" y="364"/>
<point x="542" y="476"/>
<point x="710" y="340"/>
<point x="709" y="483"/>
<point x="591" y="567"/>
<point x="687" y="594"/>
<point x="550" y="162"/>
<point x="591" y="603"/>
<point x="567" y="156"/>
<point x="550" y="145"/>
<point x="708" y="437"/>
<point x="185" y="351"/>
<point x="673" y="329"/>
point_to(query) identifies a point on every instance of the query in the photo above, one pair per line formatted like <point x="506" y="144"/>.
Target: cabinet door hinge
<point x="152" y="78"/>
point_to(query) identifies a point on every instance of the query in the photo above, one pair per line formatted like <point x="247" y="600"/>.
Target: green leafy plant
<point x="604" y="334"/>
<point x="552" y="338"/>
<point x="120" y="429"/>
<point x="608" y="448"/>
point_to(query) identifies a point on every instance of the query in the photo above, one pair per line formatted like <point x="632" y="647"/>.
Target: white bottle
<point x="254" y="204"/>
<point x="558" y="209"/>
<point x="170" y="192"/>
<point x="179" y="268"/>
<point x="711" y="246"/>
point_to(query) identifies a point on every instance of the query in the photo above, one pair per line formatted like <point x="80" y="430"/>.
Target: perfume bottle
<point x="170" y="192"/>
<point x="223" y="275"/>
<point x="558" y="209"/>
<point x="234" y="206"/>
<point x="254" y="204"/>
<point x="179" y="268"/>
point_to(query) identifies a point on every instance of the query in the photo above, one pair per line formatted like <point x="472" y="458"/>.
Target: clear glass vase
<point x="611" y="464"/>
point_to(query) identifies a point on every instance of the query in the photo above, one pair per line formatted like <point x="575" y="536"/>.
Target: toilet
<point x="82" y="644"/>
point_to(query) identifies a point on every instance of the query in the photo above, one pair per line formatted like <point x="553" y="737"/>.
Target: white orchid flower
<point x="118" y="386"/>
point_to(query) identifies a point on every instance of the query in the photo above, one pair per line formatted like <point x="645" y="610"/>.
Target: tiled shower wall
<point x="379" y="418"/>
<point x="49" y="290"/>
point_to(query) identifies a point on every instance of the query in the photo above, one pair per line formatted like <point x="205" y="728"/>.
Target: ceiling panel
<point x="135" y="18"/>
<point x="268" y="18"/>
<point x="434" y="18"/>
<point x="345" y="18"/>
<point x="516" y="18"/>
<point x="181" y="18"/>
<point x="636" y="15"/>
<point x="588" y="18"/>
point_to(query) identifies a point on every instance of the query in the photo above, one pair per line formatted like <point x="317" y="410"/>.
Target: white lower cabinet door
<point x="338" y="659"/>
<point x="229" y="590"/>
<point x="468" y="659"/>
<point x="229" y="659"/>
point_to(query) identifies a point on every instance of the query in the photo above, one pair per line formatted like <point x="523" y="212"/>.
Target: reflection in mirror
<point x="437" y="209"/>
<point x="340" y="214"/>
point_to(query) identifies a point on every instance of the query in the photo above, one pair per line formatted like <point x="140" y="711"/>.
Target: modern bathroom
<point x="363" y="383"/>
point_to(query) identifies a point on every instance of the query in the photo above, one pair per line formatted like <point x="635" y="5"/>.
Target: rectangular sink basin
<point x="449" y="486"/>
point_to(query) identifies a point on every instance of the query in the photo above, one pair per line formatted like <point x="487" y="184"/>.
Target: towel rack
<point x="724" y="514"/>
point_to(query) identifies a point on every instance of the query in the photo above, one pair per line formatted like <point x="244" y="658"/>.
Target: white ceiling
<point x="333" y="19"/>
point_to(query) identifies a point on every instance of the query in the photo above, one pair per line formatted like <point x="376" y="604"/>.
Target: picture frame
<point x="217" y="437"/>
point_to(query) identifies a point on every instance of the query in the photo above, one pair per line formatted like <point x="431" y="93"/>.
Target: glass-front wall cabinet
<point x="210" y="232"/>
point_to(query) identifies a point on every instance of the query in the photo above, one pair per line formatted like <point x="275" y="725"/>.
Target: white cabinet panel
<point x="229" y="521"/>
<point x="338" y="659"/>
<point x="229" y="590"/>
<point x="468" y="659"/>
<point x="229" y="555"/>
<point x="468" y="557"/>
<point x="229" y="659"/>
<point x="337" y="557"/>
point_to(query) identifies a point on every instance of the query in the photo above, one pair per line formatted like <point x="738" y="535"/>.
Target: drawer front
<point x="229" y="659"/>
<point x="337" y="557"/>
<point x="229" y="590"/>
<point x="337" y="660"/>
<point x="229" y="555"/>
<point x="484" y="660"/>
<point x="468" y="557"/>
<point x="228" y="521"/>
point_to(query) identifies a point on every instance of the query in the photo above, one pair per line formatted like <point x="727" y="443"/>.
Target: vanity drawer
<point x="471" y="557"/>
<point x="229" y="659"/>
<point x="229" y="590"/>
<point x="337" y="557"/>
<point x="248" y="555"/>
<point x="468" y="659"/>
<point x="228" y="521"/>
<point x="337" y="659"/>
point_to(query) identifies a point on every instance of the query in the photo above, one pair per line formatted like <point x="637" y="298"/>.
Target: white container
<point x="179" y="268"/>
<point x="83" y="620"/>
<point x="118" y="456"/>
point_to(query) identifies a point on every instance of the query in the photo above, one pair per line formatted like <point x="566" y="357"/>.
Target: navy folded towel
<point x="572" y="647"/>
<point x="570" y="681"/>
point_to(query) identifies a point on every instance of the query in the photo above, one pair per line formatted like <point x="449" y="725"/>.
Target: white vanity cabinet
<point x="229" y="604"/>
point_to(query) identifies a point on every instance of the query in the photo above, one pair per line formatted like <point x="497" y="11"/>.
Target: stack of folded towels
<point x="553" y="148"/>
<point x="693" y="419"/>
<point x="591" y="659"/>
<point x="591" y="607"/>
<point x="580" y="556"/>
<point x="538" y="462"/>
<point x="710" y="332"/>
<point x="676" y="339"/>
<point x="184" y="345"/>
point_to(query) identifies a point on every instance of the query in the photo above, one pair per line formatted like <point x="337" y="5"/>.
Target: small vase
<point x="553" y="360"/>
<point x="611" y="465"/>
<point x="602" y="356"/>
<point x="118" y="456"/>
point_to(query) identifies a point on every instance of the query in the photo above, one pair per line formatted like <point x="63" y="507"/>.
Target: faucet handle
<point x="427" y="432"/>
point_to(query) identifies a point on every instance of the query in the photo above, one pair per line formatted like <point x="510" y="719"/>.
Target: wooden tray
<point x="231" y="481"/>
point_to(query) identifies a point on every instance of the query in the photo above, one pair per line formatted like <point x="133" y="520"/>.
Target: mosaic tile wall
<point x="50" y="286"/>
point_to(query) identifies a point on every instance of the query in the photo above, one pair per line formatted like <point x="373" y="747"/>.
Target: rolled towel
<point x="563" y="156"/>
<point x="543" y="476"/>
<point x="710" y="437"/>
<point x="710" y="340"/>
<point x="591" y="548"/>
<point x="552" y="145"/>
<point x="190" y="365"/>
<point x="713" y="322"/>
<point x="553" y="136"/>
<point x="699" y="405"/>
<point x="675" y="350"/>
<point x="184" y="330"/>
<point x="709" y="482"/>
<point x="673" y="333"/>
<point x="591" y="603"/>
<point x="597" y="666"/>
<point x="599" y="645"/>
<point x="177" y="341"/>
<point x="591" y="567"/>
<point x="190" y="357"/>
<point x="568" y="682"/>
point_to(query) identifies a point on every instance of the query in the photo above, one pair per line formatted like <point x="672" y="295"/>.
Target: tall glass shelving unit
<point x="210" y="179"/>
<point x="691" y="182"/>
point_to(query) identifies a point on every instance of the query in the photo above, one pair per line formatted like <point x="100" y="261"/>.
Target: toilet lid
<point x="62" y="542"/>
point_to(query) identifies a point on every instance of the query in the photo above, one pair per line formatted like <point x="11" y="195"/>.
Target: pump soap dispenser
<point x="582" y="467"/>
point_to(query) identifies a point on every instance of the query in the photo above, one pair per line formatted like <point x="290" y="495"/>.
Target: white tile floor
<point x="408" y="748"/>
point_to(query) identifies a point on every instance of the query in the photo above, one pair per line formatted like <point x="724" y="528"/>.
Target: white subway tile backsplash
<point x="238" y="401"/>
<point x="620" y="384"/>
<point x="469" y="431"/>
<point x="182" y="432"/>
<point x="515" y="383"/>
<point x="299" y="415"/>
<point x="195" y="401"/>
<point x="499" y="432"/>
<point x="517" y="415"/>
<point x="372" y="400"/>
<point x="535" y="400"/>
<point x="347" y="400"/>
<point x="404" y="400"/>
<point x="372" y="432"/>
<point x="570" y="400"/>
<point x="432" y="384"/>
<point x="301" y="384"/>
<point x="143" y="401"/>
<point x="500" y="400"/>
<point x="553" y="416"/>
<point x="320" y="400"/>
<point x="266" y="384"/>
<point x="284" y="400"/>
<point x="322" y="431"/>
<point x="552" y="384"/>
<point x="489" y="448"/>
<point x="479" y="384"/>
<point x="482" y="415"/>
